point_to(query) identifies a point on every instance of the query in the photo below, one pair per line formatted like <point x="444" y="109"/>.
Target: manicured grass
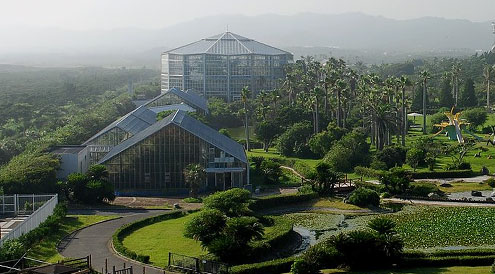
<point x="333" y="203"/>
<point x="273" y="153"/>
<point x="425" y="270"/>
<point x="464" y="186"/>
<point x="158" y="239"/>
<point x="46" y="250"/>
<point x="433" y="226"/>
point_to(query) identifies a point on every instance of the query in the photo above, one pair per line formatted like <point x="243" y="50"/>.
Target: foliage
<point x="92" y="187"/>
<point x="271" y="171"/>
<point x="206" y="226"/>
<point x="490" y="182"/>
<point x="414" y="157"/>
<point x="194" y="177"/>
<point x="423" y="189"/>
<point x="293" y="142"/>
<point x="352" y="150"/>
<point x="365" y="250"/>
<point x="437" y="118"/>
<point x="396" y="181"/>
<point x="267" y="131"/>
<point x="364" y="197"/>
<point x="475" y="116"/>
<point x="321" y="143"/>
<point x="282" y="199"/>
<point x="392" y="156"/>
<point x="382" y="225"/>
<point x="319" y="256"/>
<point x="467" y="96"/>
<point x="325" y="179"/>
<point x="224" y="132"/>
<point x="192" y="200"/>
<point x="268" y="267"/>
<point x="163" y="114"/>
<point x="14" y="249"/>
<point x="232" y="202"/>
<point x="432" y="226"/>
<point x="442" y="174"/>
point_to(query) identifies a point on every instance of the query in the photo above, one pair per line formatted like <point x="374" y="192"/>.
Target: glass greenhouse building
<point x="221" y="65"/>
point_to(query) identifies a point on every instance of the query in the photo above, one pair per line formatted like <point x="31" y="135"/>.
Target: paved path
<point x="96" y="240"/>
<point x="438" y="203"/>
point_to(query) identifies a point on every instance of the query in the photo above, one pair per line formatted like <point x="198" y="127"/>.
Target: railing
<point x="196" y="265"/>
<point x="35" y="219"/>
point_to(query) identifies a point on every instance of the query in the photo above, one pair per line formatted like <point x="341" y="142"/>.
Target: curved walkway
<point x="96" y="240"/>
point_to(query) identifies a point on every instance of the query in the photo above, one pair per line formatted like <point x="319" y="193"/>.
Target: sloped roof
<point x="133" y="122"/>
<point x="190" y="98"/>
<point x="195" y="127"/>
<point x="228" y="43"/>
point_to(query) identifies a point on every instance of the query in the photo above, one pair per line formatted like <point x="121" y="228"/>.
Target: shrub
<point x="271" y="171"/>
<point x="442" y="174"/>
<point x="392" y="156"/>
<point x="422" y="189"/>
<point x="283" y="199"/>
<point x="490" y="182"/>
<point x="364" y="197"/>
<point x="321" y="255"/>
<point x="205" y="227"/>
<point x="415" y="157"/>
<point x="232" y="202"/>
<point x="365" y="250"/>
<point x="368" y="172"/>
<point x="382" y="225"/>
<point x="192" y="200"/>
<point x="396" y="181"/>
<point x="225" y="132"/>
<point x="475" y="116"/>
<point x="378" y="165"/>
<point x="436" y="118"/>
<point x="325" y="178"/>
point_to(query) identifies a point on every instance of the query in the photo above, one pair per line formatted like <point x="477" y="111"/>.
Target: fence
<point x="196" y="265"/>
<point x="40" y="207"/>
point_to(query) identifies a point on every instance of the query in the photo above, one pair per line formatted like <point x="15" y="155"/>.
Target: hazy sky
<point x="109" y="14"/>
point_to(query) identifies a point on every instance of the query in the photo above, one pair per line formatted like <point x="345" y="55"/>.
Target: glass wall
<point x="157" y="163"/>
<point x="215" y="75"/>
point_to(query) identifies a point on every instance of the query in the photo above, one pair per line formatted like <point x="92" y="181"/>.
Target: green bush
<point x="350" y="151"/>
<point x="475" y="116"/>
<point x="364" y="197"/>
<point x="490" y="182"/>
<point x="396" y="181"/>
<point x="442" y="174"/>
<point x="232" y="202"/>
<point x="392" y="156"/>
<point x="192" y="200"/>
<point x="382" y="225"/>
<point x="271" y="171"/>
<point x="422" y="189"/>
<point x="368" y="172"/>
<point x="378" y="165"/>
<point x="279" y="200"/>
<point x="379" y="188"/>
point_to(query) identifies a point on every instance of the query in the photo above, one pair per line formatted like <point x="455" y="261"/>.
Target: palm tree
<point x="245" y="95"/>
<point x="340" y="86"/>
<point x="456" y="71"/>
<point x="487" y="74"/>
<point x="425" y="75"/>
<point x="404" y="82"/>
<point x="194" y="176"/>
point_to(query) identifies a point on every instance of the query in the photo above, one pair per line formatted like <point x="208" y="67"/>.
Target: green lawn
<point x="46" y="250"/>
<point x="425" y="270"/>
<point x="158" y="239"/>
<point x="464" y="186"/>
<point x="273" y="153"/>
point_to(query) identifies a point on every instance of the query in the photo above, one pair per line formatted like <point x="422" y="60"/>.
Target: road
<point x="96" y="240"/>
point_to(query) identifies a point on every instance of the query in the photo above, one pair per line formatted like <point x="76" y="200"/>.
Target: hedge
<point x="127" y="229"/>
<point x="368" y="172"/>
<point x="443" y="174"/>
<point x="269" y="267"/>
<point x="283" y="235"/>
<point x="448" y="261"/>
<point x="277" y="200"/>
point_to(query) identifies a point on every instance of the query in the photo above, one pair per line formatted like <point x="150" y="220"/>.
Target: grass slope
<point x="46" y="250"/>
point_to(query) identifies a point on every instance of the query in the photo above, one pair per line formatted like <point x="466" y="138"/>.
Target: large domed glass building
<point x="221" y="65"/>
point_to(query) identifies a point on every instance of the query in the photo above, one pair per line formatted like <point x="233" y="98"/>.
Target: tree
<point x="404" y="82"/>
<point x="476" y="117"/>
<point x="267" y="131"/>
<point x="325" y="178"/>
<point x="445" y="97"/>
<point x="455" y="72"/>
<point x="468" y="96"/>
<point x="194" y="176"/>
<point x="293" y="142"/>
<point x="487" y="73"/>
<point x="425" y="76"/>
<point x="414" y="157"/>
<point x="245" y="95"/>
<point x="232" y="202"/>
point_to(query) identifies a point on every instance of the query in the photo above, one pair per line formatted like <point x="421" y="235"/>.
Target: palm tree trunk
<point x="404" y="117"/>
<point x="488" y="91"/>
<point x="424" y="106"/>
<point x="246" y="126"/>
<point x="339" y="118"/>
